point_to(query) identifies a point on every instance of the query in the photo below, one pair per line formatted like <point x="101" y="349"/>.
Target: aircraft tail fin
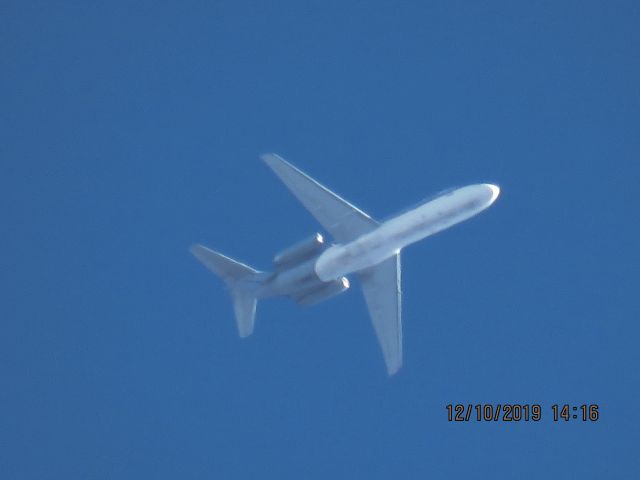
<point x="242" y="281"/>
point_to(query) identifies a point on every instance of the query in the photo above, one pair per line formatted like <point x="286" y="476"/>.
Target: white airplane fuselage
<point x="310" y="271"/>
<point x="391" y="236"/>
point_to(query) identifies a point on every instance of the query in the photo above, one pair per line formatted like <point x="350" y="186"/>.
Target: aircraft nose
<point x="494" y="191"/>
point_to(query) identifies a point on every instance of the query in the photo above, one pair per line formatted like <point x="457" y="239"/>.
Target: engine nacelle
<point x="299" y="252"/>
<point x="323" y="292"/>
<point x="298" y="277"/>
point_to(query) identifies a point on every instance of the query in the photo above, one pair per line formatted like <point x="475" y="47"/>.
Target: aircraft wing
<point x="382" y="291"/>
<point x="342" y="220"/>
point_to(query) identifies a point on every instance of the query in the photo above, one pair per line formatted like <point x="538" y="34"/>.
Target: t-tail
<point x="242" y="281"/>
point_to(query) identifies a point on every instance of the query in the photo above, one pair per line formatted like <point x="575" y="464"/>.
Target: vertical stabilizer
<point x="244" y="306"/>
<point x="240" y="279"/>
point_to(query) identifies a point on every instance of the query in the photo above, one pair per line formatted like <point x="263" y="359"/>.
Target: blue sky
<point x="131" y="131"/>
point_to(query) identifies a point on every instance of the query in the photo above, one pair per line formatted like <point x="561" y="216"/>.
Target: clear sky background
<point x="130" y="131"/>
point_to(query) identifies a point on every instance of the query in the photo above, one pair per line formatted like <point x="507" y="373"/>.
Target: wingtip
<point x="277" y="163"/>
<point x="199" y="252"/>
<point x="244" y="334"/>
<point x="198" y="249"/>
<point x="270" y="158"/>
<point x="393" y="369"/>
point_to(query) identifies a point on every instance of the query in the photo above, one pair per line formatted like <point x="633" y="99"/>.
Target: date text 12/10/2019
<point x="525" y="412"/>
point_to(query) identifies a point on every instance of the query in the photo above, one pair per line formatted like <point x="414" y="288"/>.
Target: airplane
<point x="312" y="270"/>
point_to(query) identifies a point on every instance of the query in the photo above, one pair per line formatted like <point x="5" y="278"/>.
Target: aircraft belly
<point x="341" y="260"/>
<point x="386" y="240"/>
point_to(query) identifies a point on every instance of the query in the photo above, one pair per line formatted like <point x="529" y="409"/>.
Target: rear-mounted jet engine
<point x="296" y="274"/>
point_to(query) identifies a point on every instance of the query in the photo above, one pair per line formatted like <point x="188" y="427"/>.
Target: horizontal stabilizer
<point x="241" y="280"/>
<point x="226" y="268"/>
